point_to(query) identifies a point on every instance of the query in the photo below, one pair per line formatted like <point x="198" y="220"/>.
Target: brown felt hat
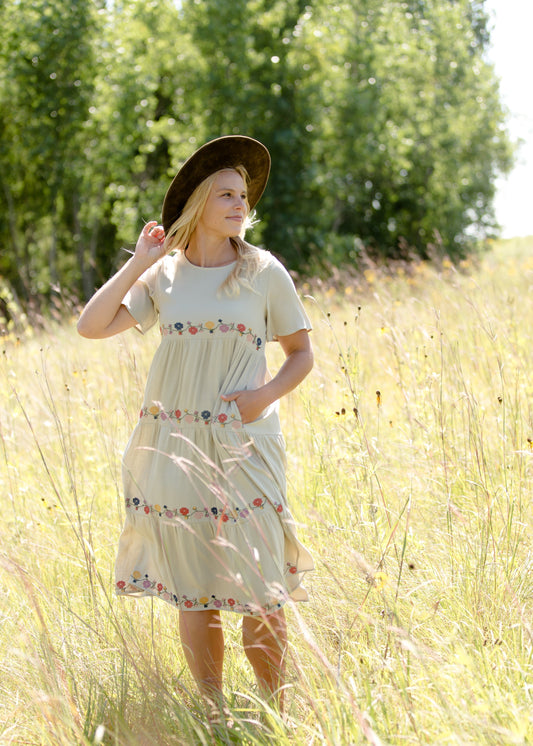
<point x="224" y="152"/>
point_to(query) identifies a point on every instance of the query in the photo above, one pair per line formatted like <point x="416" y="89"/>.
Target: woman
<point x="207" y="525"/>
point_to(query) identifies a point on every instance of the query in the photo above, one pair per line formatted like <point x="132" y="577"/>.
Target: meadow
<point x="410" y="468"/>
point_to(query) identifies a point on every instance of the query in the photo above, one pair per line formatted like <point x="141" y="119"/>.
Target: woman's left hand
<point x="298" y="363"/>
<point x="250" y="403"/>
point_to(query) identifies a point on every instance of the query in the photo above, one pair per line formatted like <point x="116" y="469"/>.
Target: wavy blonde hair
<point x="180" y="233"/>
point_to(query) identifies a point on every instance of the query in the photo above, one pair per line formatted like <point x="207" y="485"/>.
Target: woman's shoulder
<point x="265" y="260"/>
<point x="161" y="273"/>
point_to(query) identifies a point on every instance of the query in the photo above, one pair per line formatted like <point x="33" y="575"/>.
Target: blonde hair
<point x="181" y="231"/>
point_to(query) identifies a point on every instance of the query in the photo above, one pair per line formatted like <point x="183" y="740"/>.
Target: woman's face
<point x="226" y="208"/>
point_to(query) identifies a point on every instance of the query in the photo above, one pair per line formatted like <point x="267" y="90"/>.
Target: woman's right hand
<point x="149" y="248"/>
<point x="104" y="315"/>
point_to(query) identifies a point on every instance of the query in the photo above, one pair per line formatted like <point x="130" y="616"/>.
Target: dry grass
<point x="415" y="503"/>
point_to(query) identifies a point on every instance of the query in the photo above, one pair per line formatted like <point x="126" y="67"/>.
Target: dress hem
<point x="137" y="588"/>
<point x="211" y="605"/>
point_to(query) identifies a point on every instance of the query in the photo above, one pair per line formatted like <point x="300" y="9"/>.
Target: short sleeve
<point x="140" y="303"/>
<point x="285" y="312"/>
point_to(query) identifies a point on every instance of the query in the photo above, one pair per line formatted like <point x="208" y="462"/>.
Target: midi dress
<point x="207" y="524"/>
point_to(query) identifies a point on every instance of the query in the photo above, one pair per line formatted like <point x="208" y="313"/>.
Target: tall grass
<point x="415" y="501"/>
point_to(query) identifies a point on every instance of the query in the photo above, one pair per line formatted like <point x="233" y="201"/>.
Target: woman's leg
<point x="265" y="645"/>
<point x="202" y="640"/>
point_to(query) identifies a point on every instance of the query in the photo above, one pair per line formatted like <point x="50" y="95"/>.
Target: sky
<point x="512" y="55"/>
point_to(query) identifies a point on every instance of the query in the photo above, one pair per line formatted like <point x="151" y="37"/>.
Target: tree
<point x="88" y="98"/>
<point x="140" y="124"/>
<point x="257" y="84"/>
<point x="383" y="119"/>
<point x="419" y="122"/>
<point x="45" y="90"/>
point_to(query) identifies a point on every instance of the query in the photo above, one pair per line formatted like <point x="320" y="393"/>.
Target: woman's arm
<point x="298" y="362"/>
<point x="104" y="315"/>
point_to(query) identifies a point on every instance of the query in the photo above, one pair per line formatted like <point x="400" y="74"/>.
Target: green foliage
<point x="46" y="85"/>
<point x="137" y="125"/>
<point x="383" y="119"/>
<point x="417" y="124"/>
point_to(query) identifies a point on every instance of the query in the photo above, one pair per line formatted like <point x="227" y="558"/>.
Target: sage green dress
<point x="207" y="522"/>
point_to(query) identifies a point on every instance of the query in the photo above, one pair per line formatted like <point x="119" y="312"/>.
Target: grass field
<point x="415" y="501"/>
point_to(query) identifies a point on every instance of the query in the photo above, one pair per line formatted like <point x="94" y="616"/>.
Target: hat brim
<point x="224" y="152"/>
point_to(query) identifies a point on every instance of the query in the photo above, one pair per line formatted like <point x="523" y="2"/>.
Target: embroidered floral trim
<point x="218" y="514"/>
<point x="190" y="417"/>
<point x="211" y="327"/>
<point x="147" y="585"/>
<point x="292" y="569"/>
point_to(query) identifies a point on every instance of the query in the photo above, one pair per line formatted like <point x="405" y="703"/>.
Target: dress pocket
<point x="267" y="423"/>
<point x="228" y="415"/>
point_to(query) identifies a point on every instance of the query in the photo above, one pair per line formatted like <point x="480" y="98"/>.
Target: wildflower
<point x="378" y="398"/>
<point x="381" y="580"/>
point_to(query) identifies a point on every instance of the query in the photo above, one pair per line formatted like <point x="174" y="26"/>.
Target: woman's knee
<point x="265" y="631"/>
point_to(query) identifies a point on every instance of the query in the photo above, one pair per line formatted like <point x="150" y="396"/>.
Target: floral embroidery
<point x="153" y="587"/>
<point x="224" y="514"/>
<point x="211" y="327"/>
<point x="190" y="417"/>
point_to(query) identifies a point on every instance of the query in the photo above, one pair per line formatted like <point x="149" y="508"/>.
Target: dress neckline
<point x="198" y="266"/>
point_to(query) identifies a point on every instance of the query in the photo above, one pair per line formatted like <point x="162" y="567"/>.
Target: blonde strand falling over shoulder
<point x="245" y="270"/>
